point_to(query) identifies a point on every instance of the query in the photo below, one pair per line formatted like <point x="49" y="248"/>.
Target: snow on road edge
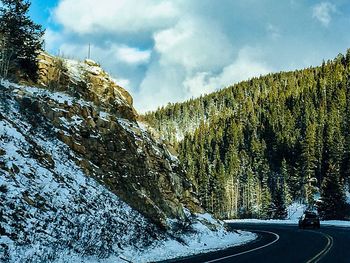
<point x="338" y="223"/>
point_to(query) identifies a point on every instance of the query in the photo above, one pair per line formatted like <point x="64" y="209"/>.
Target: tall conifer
<point x="21" y="39"/>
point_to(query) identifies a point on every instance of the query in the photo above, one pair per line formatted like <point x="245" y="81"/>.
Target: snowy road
<point x="284" y="243"/>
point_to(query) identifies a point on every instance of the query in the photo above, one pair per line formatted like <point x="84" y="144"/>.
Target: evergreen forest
<point x="253" y="148"/>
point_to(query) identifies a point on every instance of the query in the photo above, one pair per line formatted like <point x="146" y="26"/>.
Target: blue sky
<point x="167" y="51"/>
<point x="41" y="10"/>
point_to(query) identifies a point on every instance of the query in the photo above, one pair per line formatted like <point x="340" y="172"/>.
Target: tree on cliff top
<point x="20" y="40"/>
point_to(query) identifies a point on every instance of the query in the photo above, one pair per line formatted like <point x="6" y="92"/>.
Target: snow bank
<point x="338" y="223"/>
<point x="202" y="240"/>
<point x="261" y="221"/>
<point x="295" y="210"/>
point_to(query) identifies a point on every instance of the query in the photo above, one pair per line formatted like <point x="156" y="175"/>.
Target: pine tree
<point x="279" y="204"/>
<point x="308" y="161"/>
<point x="267" y="207"/>
<point x="232" y="164"/>
<point x="345" y="168"/>
<point x="333" y="203"/>
<point x="285" y="179"/>
<point x="21" y="39"/>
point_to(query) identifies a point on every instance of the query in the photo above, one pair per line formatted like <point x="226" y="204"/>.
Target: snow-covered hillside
<point x="49" y="204"/>
<point x="52" y="211"/>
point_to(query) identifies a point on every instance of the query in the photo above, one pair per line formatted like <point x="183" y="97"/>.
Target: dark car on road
<point x="309" y="219"/>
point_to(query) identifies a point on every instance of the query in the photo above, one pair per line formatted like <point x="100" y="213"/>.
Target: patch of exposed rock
<point x="86" y="80"/>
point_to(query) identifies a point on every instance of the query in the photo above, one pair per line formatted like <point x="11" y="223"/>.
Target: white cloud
<point x="190" y="46"/>
<point x="91" y="16"/>
<point x="51" y="38"/>
<point x="160" y="86"/>
<point x="75" y="51"/>
<point x="133" y="55"/>
<point x="110" y="54"/>
<point x="323" y="12"/>
<point x="174" y="83"/>
<point x="200" y="83"/>
<point x="247" y="65"/>
<point x="125" y="83"/>
<point x="194" y="44"/>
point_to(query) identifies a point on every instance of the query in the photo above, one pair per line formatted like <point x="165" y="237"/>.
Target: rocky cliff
<point x="94" y="116"/>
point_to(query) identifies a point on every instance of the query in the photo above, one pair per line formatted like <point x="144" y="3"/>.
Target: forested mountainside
<point x="253" y="148"/>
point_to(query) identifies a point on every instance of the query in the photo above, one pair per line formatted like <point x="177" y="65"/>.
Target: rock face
<point x="91" y="114"/>
<point x="49" y="208"/>
<point x="86" y="80"/>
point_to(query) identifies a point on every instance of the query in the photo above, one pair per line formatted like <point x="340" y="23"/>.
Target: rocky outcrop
<point x="94" y="116"/>
<point x="49" y="208"/>
<point x="86" y="80"/>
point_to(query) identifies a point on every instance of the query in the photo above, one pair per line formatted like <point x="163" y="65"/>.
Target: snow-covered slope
<point x="48" y="204"/>
<point x="63" y="162"/>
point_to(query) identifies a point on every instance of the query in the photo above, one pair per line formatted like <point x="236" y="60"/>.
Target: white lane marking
<point x="251" y="250"/>
<point x="324" y="251"/>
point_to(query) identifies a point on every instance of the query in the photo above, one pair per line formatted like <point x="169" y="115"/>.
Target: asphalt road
<point x="283" y="243"/>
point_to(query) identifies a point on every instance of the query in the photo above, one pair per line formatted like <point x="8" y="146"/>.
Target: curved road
<point x="283" y="243"/>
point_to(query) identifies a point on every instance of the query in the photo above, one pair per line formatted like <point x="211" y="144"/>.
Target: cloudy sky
<point x="173" y="50"/>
